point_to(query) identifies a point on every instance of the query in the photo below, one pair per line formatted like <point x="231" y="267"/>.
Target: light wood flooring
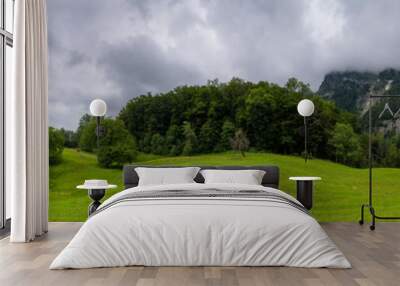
<point x="375" y="257"/>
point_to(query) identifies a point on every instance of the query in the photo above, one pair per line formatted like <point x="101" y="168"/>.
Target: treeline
<point x="202" y="119"/>
<point x="116" y="145"/>
<point x="217" y="117"/>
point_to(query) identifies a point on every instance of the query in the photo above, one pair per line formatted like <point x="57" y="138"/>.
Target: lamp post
<point x="305" y="109"/>
<point x="98" y="108"/>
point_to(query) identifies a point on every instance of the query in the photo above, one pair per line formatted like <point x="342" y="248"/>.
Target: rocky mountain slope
<point x="350" y="89"/>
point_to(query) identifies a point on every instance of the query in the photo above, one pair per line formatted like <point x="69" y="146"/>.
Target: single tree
<point x="117" y="146"/>
<point x="240" y="142"/>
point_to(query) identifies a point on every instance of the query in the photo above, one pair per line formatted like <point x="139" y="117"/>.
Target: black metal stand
<point x="96" y="195"/>
<point x="374" y="216"/>
<point x="98" y="132"/>
<point x="305" y="140"/>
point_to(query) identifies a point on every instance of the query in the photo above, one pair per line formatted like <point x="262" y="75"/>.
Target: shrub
<point x="115" y="156"/>
<point x="56" y="146"/>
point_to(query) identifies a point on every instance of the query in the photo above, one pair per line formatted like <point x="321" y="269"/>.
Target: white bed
<point x="202" y="231"/>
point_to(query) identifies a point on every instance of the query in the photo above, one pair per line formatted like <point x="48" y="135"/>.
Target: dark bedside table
<point x="96" y="191"/>
<point x="305" y="190"/>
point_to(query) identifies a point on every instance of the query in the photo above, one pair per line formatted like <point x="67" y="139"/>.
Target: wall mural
<point x="203" y="82"/>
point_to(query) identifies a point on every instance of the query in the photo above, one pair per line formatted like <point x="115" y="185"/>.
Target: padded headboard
<point x="271" y="177"/>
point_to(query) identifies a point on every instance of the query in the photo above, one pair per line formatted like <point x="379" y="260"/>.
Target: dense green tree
<point x="258" y="118"/>
<point x="208" y="137"/>
<point x="346" y="144"/>
<point x="70" y="138"/>
<point x="56" y="146"/>
<point x="158" y="146"/>
<point x="391" y="158"/>
<point x="294" y="85"/>
<point x="83" y="121"/>
<point x="228" y="132"/>
<point x="321" y="126"/>
<point x="385" y="150"/>
<point x="190" y="144"/>
<point x="117" y="146"/>
<point x="88" y="138"/>
<point x="145" y="143"/>
<point x="173" y="140"/>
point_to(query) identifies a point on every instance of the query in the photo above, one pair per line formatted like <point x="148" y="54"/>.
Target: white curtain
<point x="27" y="123"/>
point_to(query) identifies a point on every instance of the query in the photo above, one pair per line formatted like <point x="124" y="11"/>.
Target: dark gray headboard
<point x="271" y="177"/>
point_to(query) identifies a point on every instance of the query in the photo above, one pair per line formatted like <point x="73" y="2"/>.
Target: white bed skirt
<point x="201" y="232"/>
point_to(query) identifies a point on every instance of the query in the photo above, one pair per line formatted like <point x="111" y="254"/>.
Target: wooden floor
<point x="375" y="257"/>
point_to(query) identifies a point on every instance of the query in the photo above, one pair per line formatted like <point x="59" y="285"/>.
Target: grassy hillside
<point x="337" y="197"/>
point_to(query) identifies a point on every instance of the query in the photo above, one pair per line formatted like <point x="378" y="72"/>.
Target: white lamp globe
<point x="305" y="107"/>
<point x="98" y="107"/>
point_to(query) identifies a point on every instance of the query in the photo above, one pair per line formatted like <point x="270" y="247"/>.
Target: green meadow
<point x="336" y="198"/>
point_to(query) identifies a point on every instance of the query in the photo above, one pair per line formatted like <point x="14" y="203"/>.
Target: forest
<point x="208" y="118"/>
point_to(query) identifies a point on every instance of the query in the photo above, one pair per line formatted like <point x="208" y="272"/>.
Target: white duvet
<point x="200" y="231"/>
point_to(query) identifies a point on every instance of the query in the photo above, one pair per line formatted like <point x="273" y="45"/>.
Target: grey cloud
<point x="118" y="49"/>
<point x="139" y="66"/>
<point x="76" y="58"/>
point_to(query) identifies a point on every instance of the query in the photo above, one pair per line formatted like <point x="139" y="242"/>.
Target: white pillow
<point x="247" y="177"/>
<point x="166" y="176"/>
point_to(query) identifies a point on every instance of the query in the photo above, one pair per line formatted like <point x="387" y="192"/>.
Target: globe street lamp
<point x="98" y="108"/>
<point x="305" y="109"/>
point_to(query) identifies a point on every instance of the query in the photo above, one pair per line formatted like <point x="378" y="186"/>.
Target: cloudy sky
<point x="119" y="49"/>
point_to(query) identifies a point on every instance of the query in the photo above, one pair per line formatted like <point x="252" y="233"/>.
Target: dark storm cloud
<point x="75" y="58"/>
<point x="116" y="50"/>
<point x="138" y="65"/>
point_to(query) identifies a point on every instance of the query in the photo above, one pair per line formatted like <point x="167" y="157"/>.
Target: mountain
<point x="350" y="89"/>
